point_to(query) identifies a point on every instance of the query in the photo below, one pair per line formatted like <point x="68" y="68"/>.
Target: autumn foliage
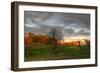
<point x="30" y="38"/>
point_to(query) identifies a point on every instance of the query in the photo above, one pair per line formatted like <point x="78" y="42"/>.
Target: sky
<point x="72" y="25"/>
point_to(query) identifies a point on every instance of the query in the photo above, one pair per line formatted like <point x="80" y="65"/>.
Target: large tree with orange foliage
<point x="28" y="38"/>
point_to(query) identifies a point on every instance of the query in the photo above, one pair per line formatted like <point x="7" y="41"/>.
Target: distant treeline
<point x="30" y="38"/>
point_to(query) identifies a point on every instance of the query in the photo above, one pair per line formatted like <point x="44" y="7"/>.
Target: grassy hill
<point x="37" y="51"/>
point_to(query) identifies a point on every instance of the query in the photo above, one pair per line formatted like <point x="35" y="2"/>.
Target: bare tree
<point x="56" y="35"/>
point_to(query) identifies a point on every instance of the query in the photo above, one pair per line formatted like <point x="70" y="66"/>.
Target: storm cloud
<point x="70" y="23"/>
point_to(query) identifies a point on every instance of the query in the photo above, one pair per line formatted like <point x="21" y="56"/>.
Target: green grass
<point x="45" y="52"/>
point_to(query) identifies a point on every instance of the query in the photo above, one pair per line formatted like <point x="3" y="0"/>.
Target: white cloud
<point x="32" y="26"/>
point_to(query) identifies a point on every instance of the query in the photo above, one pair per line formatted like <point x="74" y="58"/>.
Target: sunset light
<point x="69" y="39"/>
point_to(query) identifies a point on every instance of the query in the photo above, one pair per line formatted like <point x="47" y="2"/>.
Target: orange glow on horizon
<point x="79" y="38"/>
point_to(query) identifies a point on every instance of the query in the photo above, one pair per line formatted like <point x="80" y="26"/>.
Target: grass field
<point x="41" y="52"/>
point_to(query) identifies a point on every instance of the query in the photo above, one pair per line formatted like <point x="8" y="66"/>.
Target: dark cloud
<point x="69" y="23"/>
<point x="83" y="32"/>
<point x="69" y="32"/>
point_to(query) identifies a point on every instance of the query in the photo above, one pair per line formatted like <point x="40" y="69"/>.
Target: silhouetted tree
<point x="55" y="34"/>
